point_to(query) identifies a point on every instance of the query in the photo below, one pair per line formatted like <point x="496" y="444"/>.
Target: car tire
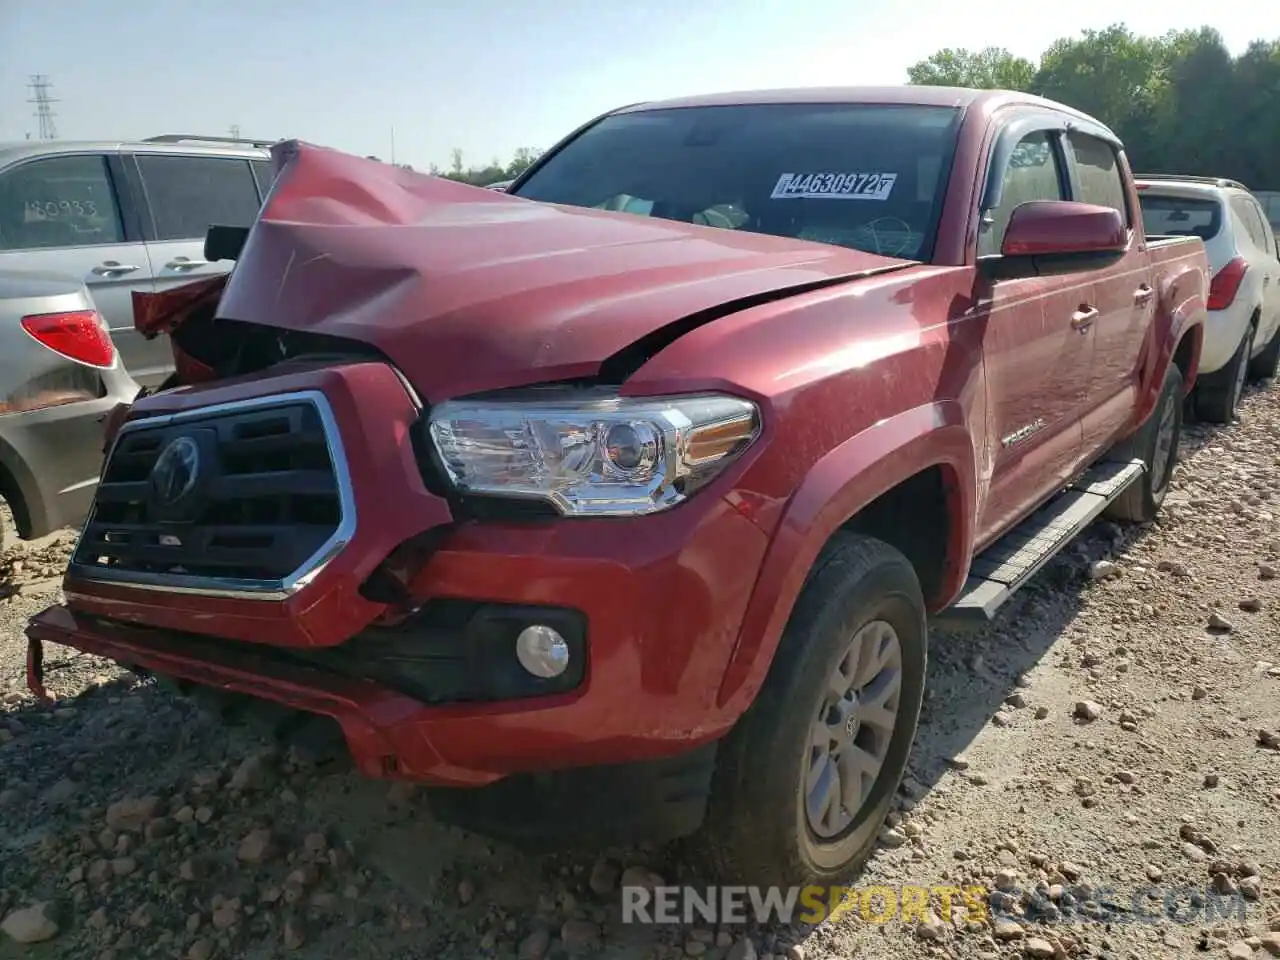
<point x="1266" y="365"/>
<point x="1156" y="444"/>
<point x="862" y="595"/>
<point x="1218" y="395"/>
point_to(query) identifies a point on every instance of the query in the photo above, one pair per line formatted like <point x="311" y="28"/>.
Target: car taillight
<point x="78" y="335"/>
<point x="1226" y="282"/>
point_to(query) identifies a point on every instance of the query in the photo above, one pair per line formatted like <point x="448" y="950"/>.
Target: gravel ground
<point x="1109" y="745"/>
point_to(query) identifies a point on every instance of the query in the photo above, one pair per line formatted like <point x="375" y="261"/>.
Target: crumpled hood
<point x="467" y="289"/>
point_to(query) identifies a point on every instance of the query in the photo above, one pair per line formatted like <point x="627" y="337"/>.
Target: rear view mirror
<point x="224" y="243"/>
<point x="1051" y="237"/>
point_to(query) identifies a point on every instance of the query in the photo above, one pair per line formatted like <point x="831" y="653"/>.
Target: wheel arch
<point x="1176" y="334"/>
<point x="865" y="485"/>
<point x="1186" y="355"/>
<point x="17" y="484"/>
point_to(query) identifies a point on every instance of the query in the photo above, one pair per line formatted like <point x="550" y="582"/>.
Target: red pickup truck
<point x="618" y="504"/>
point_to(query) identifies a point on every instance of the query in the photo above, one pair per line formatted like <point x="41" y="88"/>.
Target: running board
<point x="997" y="573"/>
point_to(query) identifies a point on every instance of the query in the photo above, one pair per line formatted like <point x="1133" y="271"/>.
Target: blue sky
<point x="488" y="76"/>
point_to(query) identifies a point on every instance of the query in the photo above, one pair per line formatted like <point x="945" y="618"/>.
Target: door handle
<point x="1083" y="318"/>
<point x="1143" y="293"/>
<point x="185" y="263"/>
<point x="111" y="268"/>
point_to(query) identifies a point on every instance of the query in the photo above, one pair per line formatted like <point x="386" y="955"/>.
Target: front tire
<point x="806" y="778"/>
<point x="1156" y="444"/>
<point x="1218" y="395"/>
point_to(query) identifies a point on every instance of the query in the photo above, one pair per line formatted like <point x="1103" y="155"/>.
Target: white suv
<point x="126" y="218"/>
<point x="1242" y="337"/>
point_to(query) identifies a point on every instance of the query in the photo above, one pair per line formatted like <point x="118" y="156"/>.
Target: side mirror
<point x="224" y="243"/>
<point x="1047" y="238"/>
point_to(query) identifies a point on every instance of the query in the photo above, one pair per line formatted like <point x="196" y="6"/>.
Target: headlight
<point x="591" y="454"/>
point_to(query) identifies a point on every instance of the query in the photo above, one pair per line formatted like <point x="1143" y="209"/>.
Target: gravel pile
<point x="1110" y="747"/>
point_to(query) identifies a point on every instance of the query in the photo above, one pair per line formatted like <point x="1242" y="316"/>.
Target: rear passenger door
<point x="1273" y="288"/>
<point x="1261" y="254"/>
<point x="186" y="194"/>
<point x="75" y="215"/>
<point x="1124" y="296"/>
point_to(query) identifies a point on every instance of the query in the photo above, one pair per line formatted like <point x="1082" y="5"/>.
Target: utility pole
<point x="40" y="86"/>
<point x="393" y="146"/>
<point x="235" y="131"/>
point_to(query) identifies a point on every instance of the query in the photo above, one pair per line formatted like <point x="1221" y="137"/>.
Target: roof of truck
<point x="901" y="94"/>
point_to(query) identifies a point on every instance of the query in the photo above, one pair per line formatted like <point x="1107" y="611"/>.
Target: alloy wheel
<point x="1162" y="456"/>
<point x="851" y="731"/>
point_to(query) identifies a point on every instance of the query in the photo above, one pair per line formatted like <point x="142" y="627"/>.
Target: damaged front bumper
<point x="616" y="793"/>
<point x="421" y="680"/>
<point x="383" y="730"/>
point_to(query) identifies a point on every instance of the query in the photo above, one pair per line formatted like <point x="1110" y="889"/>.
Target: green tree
<point x="1111" y="74"/>
<point x="993" y="68"/>
<point x="1180" y="102"/>
<point x="524" y="158"/>
<point x="493" y="172"/>
<point x="1255" y="133"/>
<point x="1202" y="110"/>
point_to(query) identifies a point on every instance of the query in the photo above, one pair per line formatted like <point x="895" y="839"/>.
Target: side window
<point x="187" y="194"/>
<point x="1241" y="234"/>
<point x="1268" y="234"/>
<point x="58" y="202"/>
<point x="1271" y="205"/>
<point x="1033" y="174"/>
<point x="263" y="173"/>
<point x="1098" y="170"/>
<point x="1248" y="212"/>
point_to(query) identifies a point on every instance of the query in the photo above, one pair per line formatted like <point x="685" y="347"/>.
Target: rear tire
<point x="1266" y="365"/>
<point x="1218" y="395"/>
<point x="1156" y="445"/>
<point x="772" y="818"/>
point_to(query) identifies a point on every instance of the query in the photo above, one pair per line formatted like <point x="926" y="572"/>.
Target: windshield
<point x="1166" y="215"/>
<point x="871" y="177"/>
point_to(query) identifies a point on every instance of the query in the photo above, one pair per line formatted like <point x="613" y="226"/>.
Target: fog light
<point x="542" y="651"/>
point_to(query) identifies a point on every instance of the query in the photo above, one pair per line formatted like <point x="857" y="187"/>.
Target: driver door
<point x="1038" y="352"/>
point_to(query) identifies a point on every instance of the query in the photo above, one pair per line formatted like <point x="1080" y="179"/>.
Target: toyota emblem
<point x="175" y="471"/>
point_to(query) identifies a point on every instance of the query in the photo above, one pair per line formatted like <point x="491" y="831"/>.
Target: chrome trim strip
<point x="230" y="587"/>
<point x="414" y="398"/>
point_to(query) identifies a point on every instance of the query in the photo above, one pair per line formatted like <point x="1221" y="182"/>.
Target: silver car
<point x="126" y="217"/>
<point x="60" y="376"/>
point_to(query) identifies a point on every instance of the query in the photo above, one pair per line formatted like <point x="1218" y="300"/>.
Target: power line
<point x="40" y="85"/>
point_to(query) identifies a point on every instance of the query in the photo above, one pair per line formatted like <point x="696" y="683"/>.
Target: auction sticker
<point x="834" y="186"/>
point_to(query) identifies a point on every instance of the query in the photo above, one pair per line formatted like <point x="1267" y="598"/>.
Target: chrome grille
<point x="247" y="497"/>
